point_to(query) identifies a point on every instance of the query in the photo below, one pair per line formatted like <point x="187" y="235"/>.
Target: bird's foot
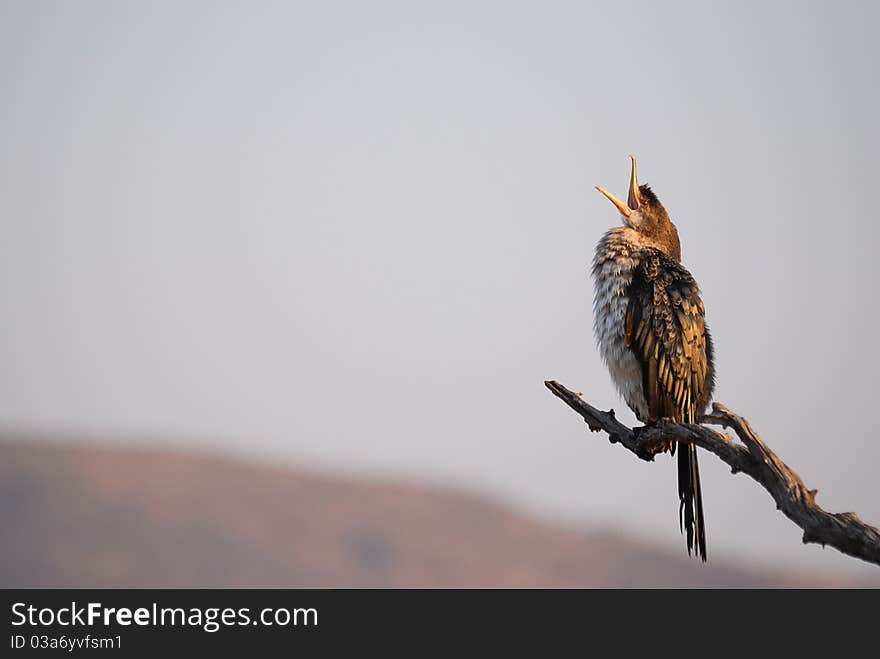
<point x="648" y="449"/>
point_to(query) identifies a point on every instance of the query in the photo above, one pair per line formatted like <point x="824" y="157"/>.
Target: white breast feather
<point x="613" y="269"/>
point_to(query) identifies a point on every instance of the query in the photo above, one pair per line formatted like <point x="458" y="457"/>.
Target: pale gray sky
<point x="358" y="235"/>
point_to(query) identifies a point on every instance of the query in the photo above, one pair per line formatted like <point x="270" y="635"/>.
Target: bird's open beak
<point x="633" y="200"/>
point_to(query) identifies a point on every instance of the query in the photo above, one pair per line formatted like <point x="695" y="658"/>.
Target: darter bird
<point x="652" y="334"/>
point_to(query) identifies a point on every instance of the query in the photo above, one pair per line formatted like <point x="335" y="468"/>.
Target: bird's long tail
<point x="690" y="496"/>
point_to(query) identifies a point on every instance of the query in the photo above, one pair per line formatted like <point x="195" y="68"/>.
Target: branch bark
<point x="843" y="531"/>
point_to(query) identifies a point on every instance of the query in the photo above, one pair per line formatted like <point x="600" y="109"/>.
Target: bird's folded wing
<point x="665" y="328"/>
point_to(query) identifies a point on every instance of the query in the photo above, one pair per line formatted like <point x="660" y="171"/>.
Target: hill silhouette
<point x="85" y="515"/>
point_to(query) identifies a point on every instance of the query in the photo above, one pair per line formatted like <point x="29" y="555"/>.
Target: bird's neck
<point x="626" y="242"/>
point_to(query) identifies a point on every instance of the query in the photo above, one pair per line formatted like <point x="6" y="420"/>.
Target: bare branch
<point x="843" y="531"/>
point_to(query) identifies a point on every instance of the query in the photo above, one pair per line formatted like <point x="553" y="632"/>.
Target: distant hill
<point x="89" y="516"/>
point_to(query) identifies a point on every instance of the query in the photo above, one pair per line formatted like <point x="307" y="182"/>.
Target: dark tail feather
<point x="690" y="496"/>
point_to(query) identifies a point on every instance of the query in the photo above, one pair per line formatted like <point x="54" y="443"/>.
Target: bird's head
<point x="644" y="214"/>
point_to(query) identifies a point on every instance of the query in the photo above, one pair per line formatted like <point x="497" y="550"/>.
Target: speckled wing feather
<point x="665" y="328"/>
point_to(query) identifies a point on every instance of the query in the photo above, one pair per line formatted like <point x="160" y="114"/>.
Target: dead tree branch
<point x="843" y="531"/>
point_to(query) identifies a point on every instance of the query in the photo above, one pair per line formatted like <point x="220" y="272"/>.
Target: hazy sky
<point x="358" y="235"/>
